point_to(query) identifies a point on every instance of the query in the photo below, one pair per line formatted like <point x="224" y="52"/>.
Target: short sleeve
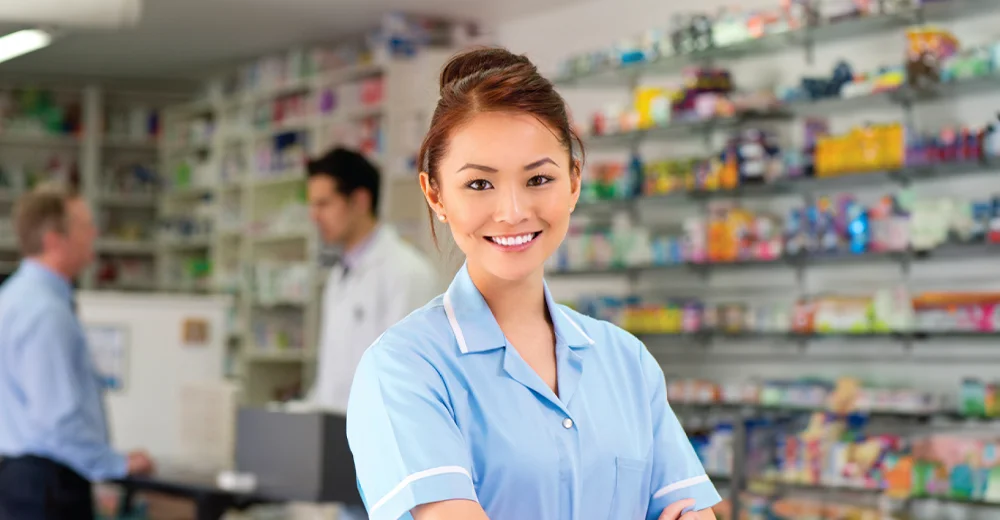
<point x="407" y="448"/>
<point x="677" y="472"/>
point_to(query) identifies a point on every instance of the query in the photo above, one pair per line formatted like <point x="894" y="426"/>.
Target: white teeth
<point x="513" y="241"/>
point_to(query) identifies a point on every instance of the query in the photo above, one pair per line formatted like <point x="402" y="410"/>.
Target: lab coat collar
<point x="476" y="330"/>
<point x="353" y="256"/>
<point x="382" y="246"/>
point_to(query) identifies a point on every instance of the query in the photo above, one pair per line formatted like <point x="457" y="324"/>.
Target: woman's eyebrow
<point x="536" y="164"/>
<point x="480" y="167"/>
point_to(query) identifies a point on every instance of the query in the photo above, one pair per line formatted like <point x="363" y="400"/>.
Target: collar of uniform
<point x="475" y="328"/>
<point x="352" y="257"/>
<point x="50" y="278"/>
<point x="568" y="329"/>
<point x="372" y="252"/>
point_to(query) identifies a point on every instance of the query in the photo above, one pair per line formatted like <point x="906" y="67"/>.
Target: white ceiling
<point x="188" y="39"/>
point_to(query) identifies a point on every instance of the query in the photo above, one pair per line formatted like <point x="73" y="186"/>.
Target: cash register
<point x="297" y="456"/>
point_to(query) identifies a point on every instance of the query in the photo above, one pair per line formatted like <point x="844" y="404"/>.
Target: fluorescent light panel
<point x="22" y="42"/>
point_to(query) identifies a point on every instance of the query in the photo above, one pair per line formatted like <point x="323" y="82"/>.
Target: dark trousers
<point x="34" y="488"/>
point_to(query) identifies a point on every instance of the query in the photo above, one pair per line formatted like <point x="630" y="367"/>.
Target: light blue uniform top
<point x="443" y="408"/>
<point x="50" y="395"/>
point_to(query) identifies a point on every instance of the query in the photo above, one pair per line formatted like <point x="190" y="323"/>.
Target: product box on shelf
<point x="663" y="177"/>
<point x="735" y="234"/>
<point x="843" y="315"/>
<point x="654" y="106"/>
<point x="969" y="64"/>
<point x="978" y="398"/>
<point x="927" y="47"/>
<point x="957" y="312"/>
<point x="714" y="448"/>
<point x="691" y="33"/>
<point x="868" y="148"/>
<point x="611" y="181"/>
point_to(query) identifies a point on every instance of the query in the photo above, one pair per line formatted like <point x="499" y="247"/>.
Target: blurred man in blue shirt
<point x="53" y="430"/>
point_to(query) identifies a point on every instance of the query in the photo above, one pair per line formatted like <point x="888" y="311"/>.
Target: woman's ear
<point x="575" y="178"/>
<point x="575" y="171"/>
<point x="431" y="194"/>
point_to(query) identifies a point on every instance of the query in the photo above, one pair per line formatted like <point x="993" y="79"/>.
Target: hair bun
<point x="478" y="61"/>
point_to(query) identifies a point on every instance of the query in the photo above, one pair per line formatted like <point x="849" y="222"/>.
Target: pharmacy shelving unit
<point x="806" y="38"/>
<point x="252" y="200"/>
<point x="116" y="137"/>
<point x="125" y="186"/>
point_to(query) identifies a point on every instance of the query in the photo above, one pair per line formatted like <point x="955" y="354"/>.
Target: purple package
<point x="691" y="318"/>
<point x="915" y="148"/>
<point x="842" y="217"/>
<point x="814" y="129"/>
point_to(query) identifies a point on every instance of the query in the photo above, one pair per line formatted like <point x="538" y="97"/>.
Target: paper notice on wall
<point x="109" y="350"/>
<point x="207" y="415"/>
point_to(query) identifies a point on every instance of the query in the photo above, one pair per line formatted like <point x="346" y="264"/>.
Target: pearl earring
<point x="442" y="218"/>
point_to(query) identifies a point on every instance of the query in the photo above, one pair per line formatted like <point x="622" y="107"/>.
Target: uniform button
<point x="567" y="423"/>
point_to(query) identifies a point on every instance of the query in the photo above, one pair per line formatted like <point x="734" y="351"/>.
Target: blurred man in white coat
<point x="378" y="280"/>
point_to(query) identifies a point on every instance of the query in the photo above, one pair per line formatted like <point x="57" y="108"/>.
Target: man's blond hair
<point x="39" y="211"/>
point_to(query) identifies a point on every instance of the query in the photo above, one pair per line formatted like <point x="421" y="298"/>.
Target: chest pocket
<point x="631" y="496"/>
<point x="355" y="300"/>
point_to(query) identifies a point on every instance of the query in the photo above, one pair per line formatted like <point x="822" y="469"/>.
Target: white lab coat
<point x="390" y="280"/>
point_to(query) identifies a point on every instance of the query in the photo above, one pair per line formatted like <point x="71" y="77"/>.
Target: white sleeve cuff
<point x="699" y="488"/>
<point x="425" y="487"/>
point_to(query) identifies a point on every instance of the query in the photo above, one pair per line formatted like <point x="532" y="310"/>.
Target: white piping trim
<point x="577" y="327"/>
<point x="443" y="470"/>
<point x="450" y="312"/>
<point x="686" y="483"/>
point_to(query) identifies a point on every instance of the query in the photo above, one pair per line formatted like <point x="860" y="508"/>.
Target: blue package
<point x="675" y="251"/>
<point x="632" y="183"/>
<point x="812" y="229"/>
<point x="658" y="250"/>
<point x="700" y="444"/>
<point x="858" y="229"/>
<point x="981" y="214"/>
<point x="794" y="232"/>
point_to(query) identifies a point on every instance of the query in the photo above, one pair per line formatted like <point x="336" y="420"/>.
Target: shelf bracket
<point x="810" y="46"/>
<point x="737" y="472"/>
<point x="908" y="112"/>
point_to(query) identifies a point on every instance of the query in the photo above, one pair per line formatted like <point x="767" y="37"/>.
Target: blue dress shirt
<point x="51" y="402"/>
<point x="443" y="408"/>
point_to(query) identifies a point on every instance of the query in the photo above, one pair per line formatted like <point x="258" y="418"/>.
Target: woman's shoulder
<point x="410" y="358"/>
<point x="424" y="333"/>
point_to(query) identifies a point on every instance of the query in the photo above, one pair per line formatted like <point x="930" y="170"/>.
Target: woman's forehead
<point x="504" y="140"/>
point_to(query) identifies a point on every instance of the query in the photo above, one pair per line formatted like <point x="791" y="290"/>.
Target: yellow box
<point x="644" y="98"/>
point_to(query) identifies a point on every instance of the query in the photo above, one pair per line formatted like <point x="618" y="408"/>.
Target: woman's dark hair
<point x="492" y="80"/>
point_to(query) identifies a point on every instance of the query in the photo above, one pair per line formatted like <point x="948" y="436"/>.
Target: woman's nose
<point x="513" y="207"/>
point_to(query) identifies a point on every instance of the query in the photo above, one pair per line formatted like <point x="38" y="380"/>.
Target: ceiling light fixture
<point x="22" y="42"/>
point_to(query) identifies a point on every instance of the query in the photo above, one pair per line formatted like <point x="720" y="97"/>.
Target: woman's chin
<point x="514" y="271"/>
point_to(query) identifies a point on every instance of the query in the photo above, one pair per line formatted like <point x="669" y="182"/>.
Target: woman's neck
<point x="512" y="302"/>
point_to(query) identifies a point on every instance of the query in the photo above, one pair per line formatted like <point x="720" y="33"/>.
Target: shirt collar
<point x="352" y="257"/>
<point x="476" y="330"/>
<point x="47" y="276"/>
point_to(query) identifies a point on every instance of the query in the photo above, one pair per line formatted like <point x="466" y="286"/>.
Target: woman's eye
<point x="538" y="180"/>
<point x="479" y="185"/>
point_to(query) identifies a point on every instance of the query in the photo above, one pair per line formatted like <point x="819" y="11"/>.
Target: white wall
<point x="549" y="38"/>
<point x="175" y="402"/>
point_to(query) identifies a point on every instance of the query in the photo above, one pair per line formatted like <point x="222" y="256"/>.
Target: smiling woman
<point x="479" y="405"/>
<point x="500" y="199"/>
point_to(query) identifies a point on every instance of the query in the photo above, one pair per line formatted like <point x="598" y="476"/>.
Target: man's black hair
<point x="351" y="171"/>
